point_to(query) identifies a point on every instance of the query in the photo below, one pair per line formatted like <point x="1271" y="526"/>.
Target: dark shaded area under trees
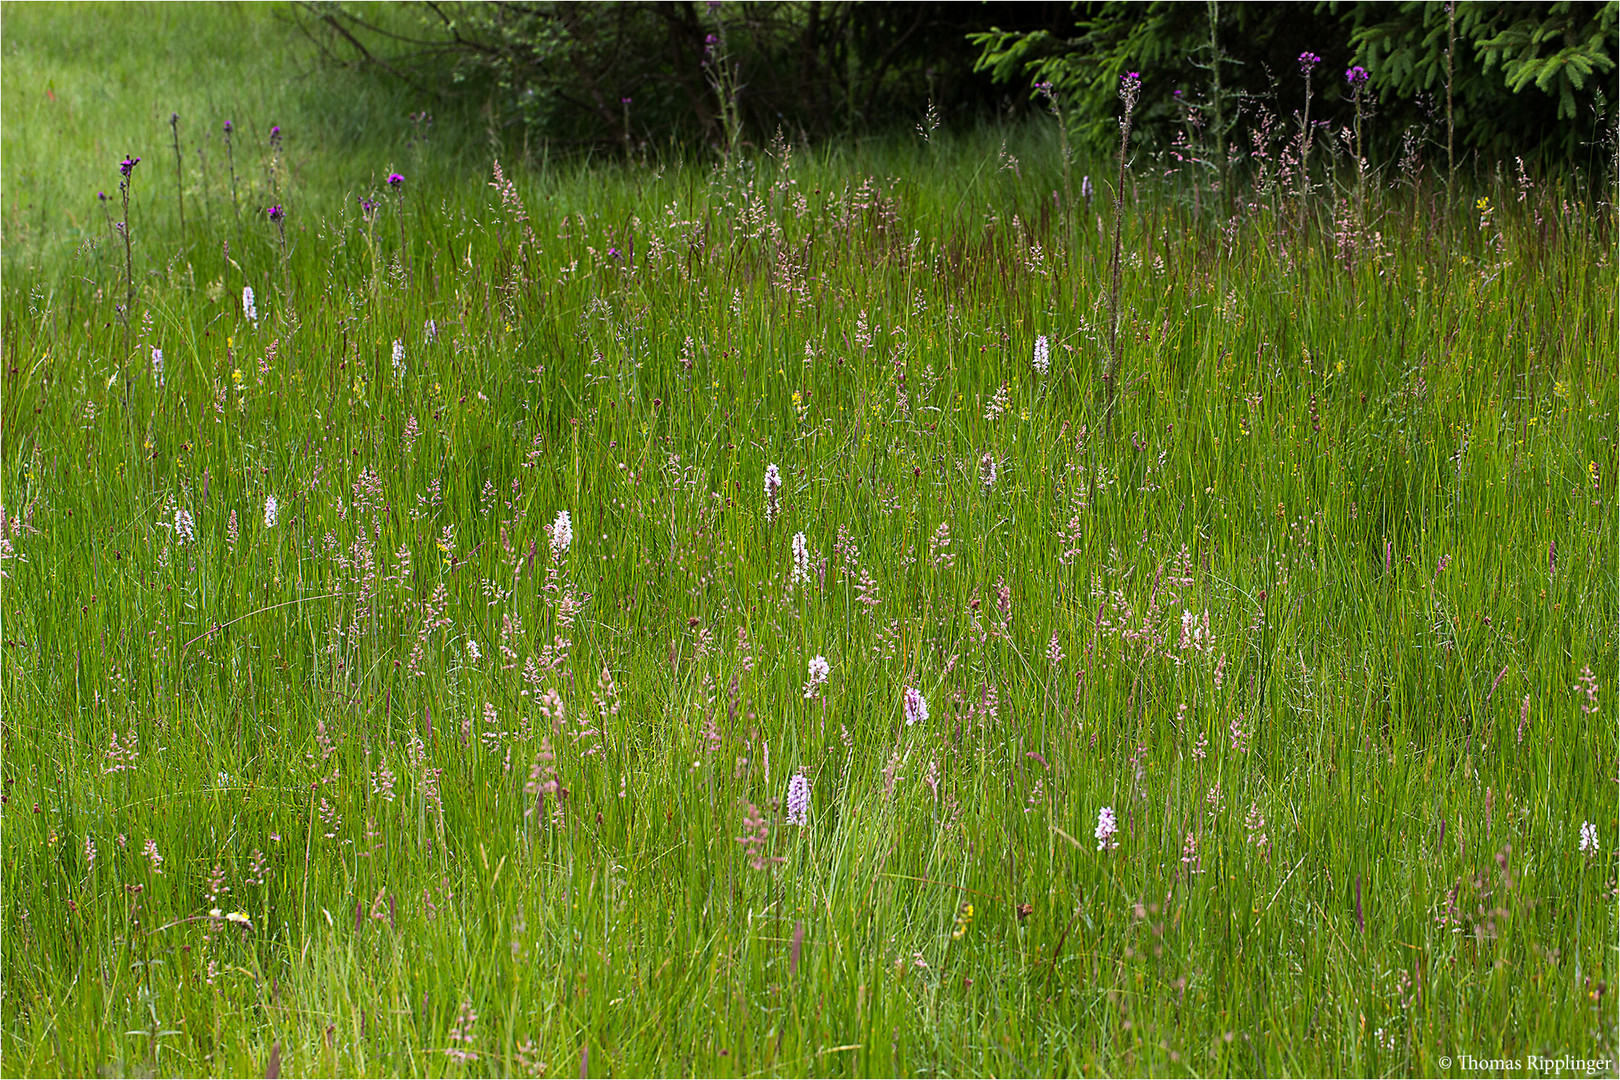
<point x="1529" y="80"/>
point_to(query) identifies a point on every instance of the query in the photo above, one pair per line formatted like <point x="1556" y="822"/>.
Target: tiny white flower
<point x="157" y="366"/>
<point x="249" y="311"/>
<point x="1589" y="838"/>
<point x="1043" y="358"/>
<point x="271" y="510"/>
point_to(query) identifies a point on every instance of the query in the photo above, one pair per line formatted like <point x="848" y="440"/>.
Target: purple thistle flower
<point x="1357" y="76"/>
<point x="276" y="213"/>
<point x="229" y="127"/>
<point x="395" y="180"/>
<point x="275" y="135"/>
<point x="127" y="166"/>
<point x="1308" y="61"/>
<point x="798" y="800"/>
<point x="102" y="195"/>
<point x="916" y="706"/>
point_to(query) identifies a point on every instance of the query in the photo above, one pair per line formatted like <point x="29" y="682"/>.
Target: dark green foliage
<point x="1527" y="77"/>
<point x="564" y="69"/>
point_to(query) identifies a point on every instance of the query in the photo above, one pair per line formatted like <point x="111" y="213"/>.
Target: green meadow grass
<point x="1313" y="612"/>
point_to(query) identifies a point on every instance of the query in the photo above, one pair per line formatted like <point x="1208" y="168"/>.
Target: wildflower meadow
<point x="932" y="605"/>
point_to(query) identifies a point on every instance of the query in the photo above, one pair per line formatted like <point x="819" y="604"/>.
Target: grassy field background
<point x="391" y="780"/>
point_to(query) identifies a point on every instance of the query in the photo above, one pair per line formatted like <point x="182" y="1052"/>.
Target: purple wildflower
<point x="773" y="485"/>
<point x="229" y="127"/>
<point x="561" y="532"/>
<point x="819" y="669"/>
<point x="276" y="213"/>
<point x="395" y="180"/>
<point x="1357" y="76"/>
<point x="127" y="166"/>
<point x="1308" y="61"/>
<point x="798" y="800"/>
<point x="1106" y="828"/>
<point x="916" y="706"/>
<point x="801" y="559"/>
<point x="275" y="135"/>
<point x="1130" y="87"/>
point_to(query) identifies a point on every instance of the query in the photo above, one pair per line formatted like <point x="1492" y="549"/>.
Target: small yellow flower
<point x="236" y="376"/>
<point x="964" y="919"/>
